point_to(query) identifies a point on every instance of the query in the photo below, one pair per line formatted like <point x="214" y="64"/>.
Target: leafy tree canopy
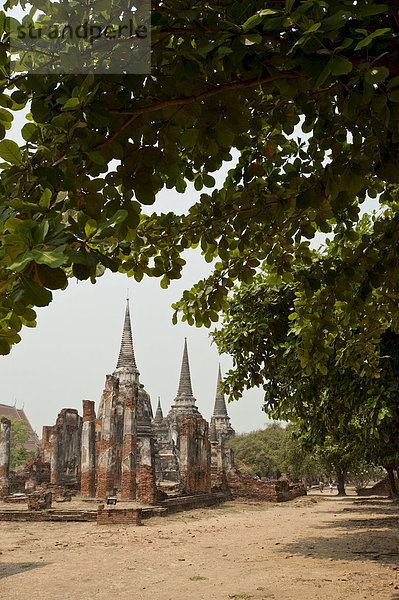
<point x="351" y="416"/>
<point x="226" y="76"/>
<point x="272" y="451"/>
<point x="19" y="435"/>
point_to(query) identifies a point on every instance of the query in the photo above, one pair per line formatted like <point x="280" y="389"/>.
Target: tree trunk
<point x="341" y="476"/>
<point x="393" y="492"/>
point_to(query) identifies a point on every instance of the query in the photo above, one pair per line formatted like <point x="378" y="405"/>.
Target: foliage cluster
<point x="272" y="451"/>
<point x="275" y="450"/>
<point x="351" y="417"/>
<point x="225" y="76"/>
<point x="19" y="435"/>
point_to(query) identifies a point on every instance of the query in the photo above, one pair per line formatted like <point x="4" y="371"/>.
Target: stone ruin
<point x="124" y="450"/>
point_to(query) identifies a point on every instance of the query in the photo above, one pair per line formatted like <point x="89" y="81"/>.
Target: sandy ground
<point x="319" y="546"/>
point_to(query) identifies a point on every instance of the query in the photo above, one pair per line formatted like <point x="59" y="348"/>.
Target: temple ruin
<point x="126" y="452"/>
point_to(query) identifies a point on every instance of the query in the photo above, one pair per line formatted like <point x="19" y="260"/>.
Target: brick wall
<point x="111" y="516"/>
<point x="146" y="488"/>
<point x="281" y="490"/>
<point x="39" y="500"/>
<point x="195" y="456"/>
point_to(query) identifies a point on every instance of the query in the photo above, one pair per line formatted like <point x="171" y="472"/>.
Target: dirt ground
<point x="319" y="546"/>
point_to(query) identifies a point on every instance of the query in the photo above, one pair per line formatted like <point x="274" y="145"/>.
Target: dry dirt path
<point x="314" y="547"/>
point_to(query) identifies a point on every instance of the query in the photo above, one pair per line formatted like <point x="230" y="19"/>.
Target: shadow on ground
<point x="375" y="537"/>
<point x="8" y="569"/>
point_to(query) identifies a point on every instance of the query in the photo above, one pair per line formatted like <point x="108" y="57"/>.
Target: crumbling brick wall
<point x="62" y="443"/>
<point x="106" y="461"/>
<point x="129" y="446"/>
<point x="218" y="473"/>
<point x="195" y="456"/>
<point x="39" y="500"/>
<point x="29" y="476"/>
<point x="88" y="451"/>
<point x="271" y="490"/>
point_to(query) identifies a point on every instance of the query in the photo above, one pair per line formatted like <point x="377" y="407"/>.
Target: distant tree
<point x="364" y="474"/>
<point x="295" y="459"/>
<point x="19" y="436"/>
<point x="272" y="451"/>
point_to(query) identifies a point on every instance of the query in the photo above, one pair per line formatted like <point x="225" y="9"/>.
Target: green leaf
<point x="10" y="151"/>
<point x="257" y="18"/>
<point x="377" y="74"/>
<point x="90" y="227"/>
<point x="97" y="157"/>
<point x="117" y="218"/>
<point x="51" y="258"/>
<point x="28" y="130"/>
<point x="71" y="104"/>
<point x="394" y="96"/>
<point x="53" y="279"/>
<point x="45" y="199"/>
<point x="164" y="283"/>
<point x="368" y="39"/>
<point x="21" y="261"/>
<point x="208" y="180"/>
<point x="198" y="183"/>
<point x="312" y="28"/>
<point x="31" y="292"/>
<point x="288" y="5"/>
<point x="340" y="65"/>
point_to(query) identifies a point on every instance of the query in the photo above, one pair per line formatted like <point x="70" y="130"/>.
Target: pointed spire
<point x="159" y="413"/>
<point x="126" y="354"/>
<point x="184" y="403"/>
<point x="185" y="378"/>
<point x="220" y="409"/>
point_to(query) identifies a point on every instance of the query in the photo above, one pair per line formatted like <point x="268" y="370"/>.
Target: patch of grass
<point x="197" y="578"/>
<point x="242" y="596"/>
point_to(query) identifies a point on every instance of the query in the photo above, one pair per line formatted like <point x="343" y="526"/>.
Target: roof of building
<point x="12" y="412"/>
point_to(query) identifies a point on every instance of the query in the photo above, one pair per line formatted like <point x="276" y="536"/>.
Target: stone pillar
<point x="195" y="456"/>
<point x="54" y="462"/>
<point x="88" y="453"/>
<point x="106" y="454"/>
<point x="5" y="432"/>
<point x="129" y="447"/>
<point x="61" y="448"/>
<point x="146" y="490"/>
<point x="46" y="447"/>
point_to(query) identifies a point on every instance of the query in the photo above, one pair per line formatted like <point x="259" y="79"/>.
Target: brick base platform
<point x="115" y="515"/>
<point x="121" y="516"/>
<point x="47" y="515"/>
